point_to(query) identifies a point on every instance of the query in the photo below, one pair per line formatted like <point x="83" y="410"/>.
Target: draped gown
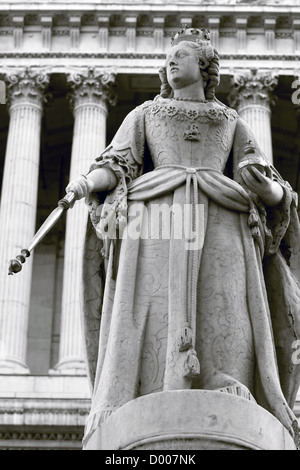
<point x="156" y="306"/>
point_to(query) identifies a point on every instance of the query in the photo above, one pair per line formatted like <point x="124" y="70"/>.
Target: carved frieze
<point x="14" y="439"/>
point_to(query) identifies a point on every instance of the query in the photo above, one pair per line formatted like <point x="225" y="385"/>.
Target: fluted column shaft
<point x="89" y="100"/>
<point x="18" y="212"/>
<point x="252" y="96"/>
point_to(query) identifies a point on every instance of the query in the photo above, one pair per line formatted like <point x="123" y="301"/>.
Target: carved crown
<point x="190" y="34"/>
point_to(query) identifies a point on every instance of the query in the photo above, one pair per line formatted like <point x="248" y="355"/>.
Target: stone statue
<point x="162" y="314"/>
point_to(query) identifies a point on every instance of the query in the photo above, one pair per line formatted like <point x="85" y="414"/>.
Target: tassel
<point x="255" y="233"/>
<point x="186" y="338"/>
<point x="191" y="365"/>
<point x="253" y="223"/>
<point x="253" y="219"/>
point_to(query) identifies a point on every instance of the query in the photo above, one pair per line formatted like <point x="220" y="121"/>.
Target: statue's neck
<point x="194" y="91"/>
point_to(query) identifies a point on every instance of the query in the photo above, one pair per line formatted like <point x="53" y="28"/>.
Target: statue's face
<point x="182" y="66"/>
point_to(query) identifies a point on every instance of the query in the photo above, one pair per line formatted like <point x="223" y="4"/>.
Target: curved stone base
<point x="191" y="420"/>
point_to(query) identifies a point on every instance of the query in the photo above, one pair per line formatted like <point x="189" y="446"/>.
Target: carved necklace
<point x="190" y="99"/>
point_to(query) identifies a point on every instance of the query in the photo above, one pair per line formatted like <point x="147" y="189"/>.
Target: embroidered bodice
<point x="194" y="134"/>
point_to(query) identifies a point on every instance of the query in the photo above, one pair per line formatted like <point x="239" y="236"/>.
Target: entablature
<point x="259" y="28"/>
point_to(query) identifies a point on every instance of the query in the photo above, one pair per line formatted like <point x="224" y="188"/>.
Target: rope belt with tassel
<point x="188" y="331"/>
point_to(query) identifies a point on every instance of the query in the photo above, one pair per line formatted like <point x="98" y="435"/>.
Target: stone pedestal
<point x="191" y="420"/>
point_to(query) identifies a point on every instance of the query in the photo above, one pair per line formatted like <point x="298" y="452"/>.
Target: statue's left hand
<point x="269" y="191"/>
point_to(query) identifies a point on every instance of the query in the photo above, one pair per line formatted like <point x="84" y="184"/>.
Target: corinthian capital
<point x="252" y="88"/>
<point x="92" y="86"/>
<point x="26" y="86"/>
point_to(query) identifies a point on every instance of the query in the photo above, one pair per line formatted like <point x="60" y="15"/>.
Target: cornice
<point x="187" y="9"/>
<point x="139" y="56"/>
<point x="138" y="63"/>
<point x="154" y="5"/>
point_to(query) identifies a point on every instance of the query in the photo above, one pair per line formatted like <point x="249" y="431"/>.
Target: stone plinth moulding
<point x="191" y="420"/>
<point x="92" y="93"/>
<point x="252" y="96"/>
<point x="25" y="93"/>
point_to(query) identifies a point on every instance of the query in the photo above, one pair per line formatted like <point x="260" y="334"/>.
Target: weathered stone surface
<point x="191" y="420"/>
<point x="167" y="314"/>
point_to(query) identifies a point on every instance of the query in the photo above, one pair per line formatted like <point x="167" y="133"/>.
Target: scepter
<point x="15" y="265"/>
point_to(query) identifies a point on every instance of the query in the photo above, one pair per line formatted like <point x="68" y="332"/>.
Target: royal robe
<point x="154" y="308"/>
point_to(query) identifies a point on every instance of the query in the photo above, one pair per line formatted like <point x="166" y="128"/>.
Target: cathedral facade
<point x="70" y="72"/>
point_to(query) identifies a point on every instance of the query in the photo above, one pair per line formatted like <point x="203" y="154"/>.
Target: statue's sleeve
<point x="276" y="219"/>
<point x="244" y="138"/>
<point x="125" y="153"/>
<point x="281" y="264"/>
<point x="125" y="157"/>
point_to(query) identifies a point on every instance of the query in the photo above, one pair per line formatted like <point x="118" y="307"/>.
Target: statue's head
<point x="193" y="49"/>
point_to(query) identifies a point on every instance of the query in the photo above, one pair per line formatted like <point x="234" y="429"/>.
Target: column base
<point x="13" y="366"/>
<point x="191" y="420"/>
<point x="69" y="367"/>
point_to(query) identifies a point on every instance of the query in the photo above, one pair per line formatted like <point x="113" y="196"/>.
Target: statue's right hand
<point x="81" y="186"/>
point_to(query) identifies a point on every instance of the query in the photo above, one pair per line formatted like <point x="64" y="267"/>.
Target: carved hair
<point x="209" y="67"/>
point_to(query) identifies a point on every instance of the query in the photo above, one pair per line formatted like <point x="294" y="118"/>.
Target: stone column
<point x="91" y="94"/>
<point x="252" y="97"/>
<point x="18" y="211"/>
